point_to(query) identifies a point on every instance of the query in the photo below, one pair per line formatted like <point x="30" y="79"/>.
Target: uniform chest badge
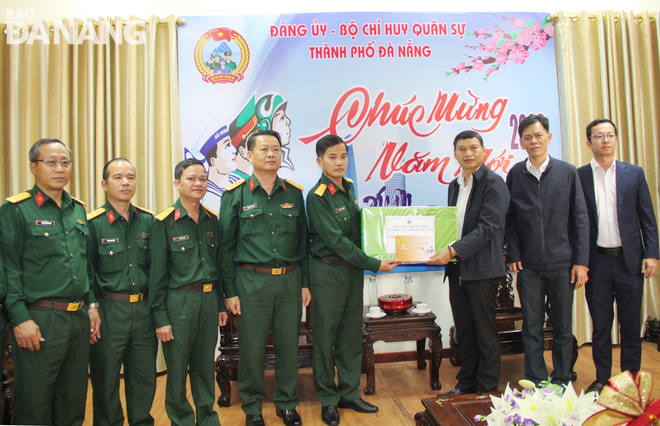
<point x="109" y="240"/>
<point x="286" y="206"/>
<point x="181" y="238"/>
<point x="211" y="234"/>
<point x="144" y="235"/>
<point x="45" y="222"/>
<point x="249" y="207"/>
<point x="80" y="222"/>
<point x="340" y="209"/>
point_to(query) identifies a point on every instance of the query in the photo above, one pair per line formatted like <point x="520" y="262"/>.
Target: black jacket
<point x="547" y="226"/>
<point x="480" y="248"/>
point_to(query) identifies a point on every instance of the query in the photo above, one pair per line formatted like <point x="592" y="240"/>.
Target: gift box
<point x="381" y="226"/>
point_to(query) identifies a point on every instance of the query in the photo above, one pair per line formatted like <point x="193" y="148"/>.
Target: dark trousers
<point x="532" y="288"/>
<point x="610" y="280"/>
<point x="50" y="385"/>
<point x="473" y="305"/>
<point x="337" y="328"/>
<point x="128" y="338"/>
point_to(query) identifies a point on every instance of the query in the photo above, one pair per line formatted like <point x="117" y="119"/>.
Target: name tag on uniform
<point x="211" y="234"/>
<point x="109" y="240"/>
<point x="143" y="235"/>
<point x="286" y="206"/>
<point x="250" y="207"/>
<point x="45" y="223"/>
<point x="340" y="209"/>
<point x="181" y="238"/>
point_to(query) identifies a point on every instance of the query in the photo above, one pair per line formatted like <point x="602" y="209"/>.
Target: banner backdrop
<point x="397" y="87"/>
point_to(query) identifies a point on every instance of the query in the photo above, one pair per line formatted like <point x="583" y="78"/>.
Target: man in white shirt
<point x="623" y="249"/>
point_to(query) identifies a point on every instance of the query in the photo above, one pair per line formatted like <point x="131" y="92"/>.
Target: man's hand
<point x="387" y="265"/>
<point x="164" y="334"/>
<point x="649" y="267"/>
<point x="94" y="325"/>
<point x="306" y="296"/>
<point x="222" y="318"/>
<point x="515" y="266"/>
<point x="579" y="275"/>
<point x="28" y="336"/>
<point x="441" y="257"/>
<point x="234" y="305"/>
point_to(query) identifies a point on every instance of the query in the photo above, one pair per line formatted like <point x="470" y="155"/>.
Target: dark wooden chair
<point x="226" y="366"/>
<point x="509" y="322"/>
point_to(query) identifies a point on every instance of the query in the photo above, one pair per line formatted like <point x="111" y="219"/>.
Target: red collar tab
<point x="177" y="214"/>
<point x="111" y="217"/>
<point x="252" y="185"/>
<point x="332" y="189"/>
<point x="283" y="185"/>
<point x="39" y="199"/>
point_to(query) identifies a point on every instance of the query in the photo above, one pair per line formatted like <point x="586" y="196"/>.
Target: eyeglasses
<point x="53" y="163"/>
<point x="600" y="137"/>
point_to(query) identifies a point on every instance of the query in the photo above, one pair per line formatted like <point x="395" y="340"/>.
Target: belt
<point x="125" y="297"/>
<point x="609" y="251"/>
<point x="269" y="271"/>
<point x="331" y="260"/>
<point x="202" y="288"/>
<point x="60" y="306"/>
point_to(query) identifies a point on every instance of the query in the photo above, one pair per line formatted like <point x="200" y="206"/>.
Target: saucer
<point x="381" y="315"/>
<point x="418" y="312"/>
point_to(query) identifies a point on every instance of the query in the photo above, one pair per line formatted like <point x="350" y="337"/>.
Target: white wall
<point x="56" y="10"/>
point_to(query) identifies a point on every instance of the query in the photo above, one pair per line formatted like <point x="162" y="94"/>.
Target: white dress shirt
<point x="608" y="220"/>
<point x="534" y="171"/>
<point x="462" y="200"/>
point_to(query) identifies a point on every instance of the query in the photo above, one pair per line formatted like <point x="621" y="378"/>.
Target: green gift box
<point x="378" y="243"/>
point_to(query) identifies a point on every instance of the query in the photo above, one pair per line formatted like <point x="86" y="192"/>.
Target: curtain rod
<point x="141" y="23"/>
<point x="592" y="17"/>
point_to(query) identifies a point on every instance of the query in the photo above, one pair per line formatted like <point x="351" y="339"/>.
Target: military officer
<point x="120" y="256"/>
<point x="45" y="242"/>
<point x="186" y="296"/>
<point x="264" y="233"/>
<point x="336" y="276"/>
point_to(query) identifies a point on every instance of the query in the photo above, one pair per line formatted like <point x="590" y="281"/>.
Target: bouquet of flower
<point x="544" y="405"/>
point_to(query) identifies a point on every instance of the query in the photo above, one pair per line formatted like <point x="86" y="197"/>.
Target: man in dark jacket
<point x="481" y="199"/>
<point x="547" y="233"/>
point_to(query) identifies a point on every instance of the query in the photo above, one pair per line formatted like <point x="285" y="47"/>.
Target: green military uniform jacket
<point x="45" y="251"/>
<point x="183" y="252"/>
<point x="334" y="224"/>
<point x="265" y="230"/>
<point x="120" y="249"/>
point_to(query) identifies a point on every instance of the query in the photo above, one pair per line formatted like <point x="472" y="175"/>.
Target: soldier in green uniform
<point x="264" y="233"/>
<point x="45" y="244"/>
<point x="186" y="296"/>
<point x="336" y="276"/>
<point x="120" y="256"/>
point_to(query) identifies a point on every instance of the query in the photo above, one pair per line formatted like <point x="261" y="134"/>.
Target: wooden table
<point x="455" y="410"/>
<point x="401" y="328"/>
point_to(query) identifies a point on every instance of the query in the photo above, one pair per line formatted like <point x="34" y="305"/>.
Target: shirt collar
<point x="595" y="166"/>
<point x="42" y="198"/>
<point x="254" y="183"/>
<point x="113" y="215"/>
<point x="461" y="176"/>
<point x="327" y="181"/>
<point x="541" y="169"/>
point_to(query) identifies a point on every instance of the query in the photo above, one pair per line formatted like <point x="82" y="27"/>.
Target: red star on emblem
<point x="332" y="189"/>
<point x="39" y="199"/>
<point x="252" y="185"/>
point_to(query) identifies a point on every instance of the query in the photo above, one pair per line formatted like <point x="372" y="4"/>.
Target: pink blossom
<point x="501" y="58"/>
<point x="483" y="31"/>
<point x="519" y="23"/>
<point x="497" y="37"/>
<point x="536" y="28"/>
<point x="490" y="71"/>
<point x="519" y="54"/>
<point x="477" y="65"/>
<point x="460" y="66"/>
<point x="509" y="44"/>
<point x="549" y="29"/>
<point x="524" y="38"/>
<point x="490" y="47"/>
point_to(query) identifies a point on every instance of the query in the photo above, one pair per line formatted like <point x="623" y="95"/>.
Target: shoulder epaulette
<point x="79" y="202"/>
<point x="349" y="180"/>
<point x="216" y="214"/>
<point x="162" y="215"/>
<point x="295" y="185"/>
<point x="144" y="210"/>
<point x="321" y="190"/>
<point x="95" y="213"/>
<point x="235" y="185"/>
<point x="18" y="197"/>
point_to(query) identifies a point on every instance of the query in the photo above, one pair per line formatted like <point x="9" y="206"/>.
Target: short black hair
<point x="468" y="134"/>
<point x="183" y="165"/>
<point x="251" y="139"/>
<point x="529" y="120"/>
<point x="35" y="150"/>
<point x="598" y="121"/>
<point x="106" y="173"/>
<point x="326" y="142"/>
